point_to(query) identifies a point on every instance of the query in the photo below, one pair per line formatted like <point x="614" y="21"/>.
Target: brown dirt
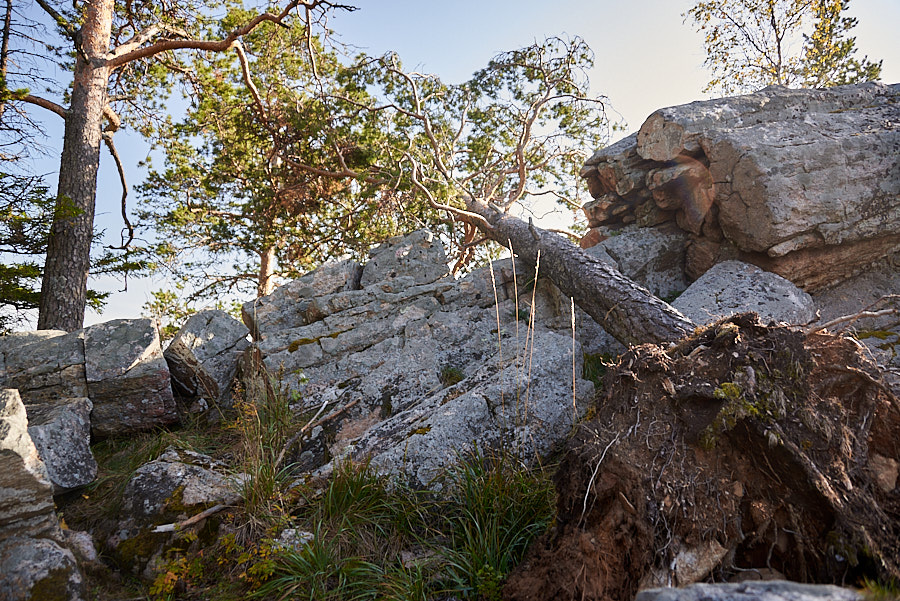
<point x="744" y="450"/>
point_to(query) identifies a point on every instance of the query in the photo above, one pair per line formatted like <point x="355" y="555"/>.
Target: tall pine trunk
<point x="64" y="287"/>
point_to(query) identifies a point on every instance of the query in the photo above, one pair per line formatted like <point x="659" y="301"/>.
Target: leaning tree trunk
<point x="629" y="312"/>
<point x="64" y="287"/>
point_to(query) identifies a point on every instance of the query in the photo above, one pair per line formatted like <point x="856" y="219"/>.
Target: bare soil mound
<point x="744" y="451"/>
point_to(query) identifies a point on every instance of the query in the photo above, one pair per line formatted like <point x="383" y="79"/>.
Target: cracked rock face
<point x="127" y="376"/>
<point x="414" y="368"/>
<point x="203" y="356"/>
<point x="804" y="183"/>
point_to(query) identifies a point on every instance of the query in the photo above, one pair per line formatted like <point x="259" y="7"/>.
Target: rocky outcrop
<point x="203" y="356"/>
<point x="733" y="287"/>
<point x="62" y="435"/>
<point x="44" y="367"/>
<point x="33" y="562"/>
<point x="804" y="183"/>
<point x="127" y="377"/>
<point x="118" y="365"/>
<point x="413" y="359"/>
<point x="158" y="500"/>
<point x="27" y="509"/>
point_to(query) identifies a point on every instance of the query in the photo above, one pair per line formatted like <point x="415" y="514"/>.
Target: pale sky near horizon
<point x="647" y="58"/>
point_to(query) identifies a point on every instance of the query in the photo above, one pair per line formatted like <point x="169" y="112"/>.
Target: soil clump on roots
<point x="744" y="451"/>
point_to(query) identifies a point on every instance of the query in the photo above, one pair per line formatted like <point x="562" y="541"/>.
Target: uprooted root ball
<point x="742" y="451"/>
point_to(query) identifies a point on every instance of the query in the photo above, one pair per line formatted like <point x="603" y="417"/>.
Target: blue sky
<point x="647" y="58"/>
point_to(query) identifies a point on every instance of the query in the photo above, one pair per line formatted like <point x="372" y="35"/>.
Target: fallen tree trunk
<point x="629" y="312"/>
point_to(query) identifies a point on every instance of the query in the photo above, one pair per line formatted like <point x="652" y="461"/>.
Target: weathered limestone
<point x="38" y="569"/>
<point x="62" y="435"/>
<point x="203" y="356"/>
<point x="804" y="183"/>
<point x="652" y="257"/>
<point x="524" y="408"/>
<point x="177" y="484"/>
<point x="414" y="360"/>
<point x="285" y="306"/>
<point x="45" y="367"/>
<point x="419" y="255"/>
<point x="128" y="379"/>
<point x="27" y="509"/>
<point x="33" y="565"/>
<point x="733" y="287"/>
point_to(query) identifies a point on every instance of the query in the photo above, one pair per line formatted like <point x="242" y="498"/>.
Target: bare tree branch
<point x="130" y="54"/>
<point x="44" y="103"/>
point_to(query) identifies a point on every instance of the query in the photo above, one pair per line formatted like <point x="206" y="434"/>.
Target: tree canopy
<point x="754" y="43"/>
<point x="325" y="157"/>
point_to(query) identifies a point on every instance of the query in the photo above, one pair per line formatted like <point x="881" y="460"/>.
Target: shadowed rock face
<point x="804" y="183"/>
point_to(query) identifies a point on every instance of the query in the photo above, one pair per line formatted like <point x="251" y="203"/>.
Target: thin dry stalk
<point x="512" y="258"/>
<point x="499" y="336"/>
<point x="574" y="406"/>
<point x="530" y="330"/>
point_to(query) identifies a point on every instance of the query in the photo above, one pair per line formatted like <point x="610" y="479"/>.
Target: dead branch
<point x="190" y="521"/>
<point x="108" y="139"/>
<point x="245" y="71"/>
<point x="311" y="424"/>
<point x="462" y="214"/>
<point x="852" y="318"/>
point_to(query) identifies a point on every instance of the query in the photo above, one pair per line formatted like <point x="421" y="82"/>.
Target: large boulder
<point x="805" y="183"/>
<point x="523" y="407"/>
<point x="38" y="570"/>
<point x="773" y="590"/>
<point x="203" y="356"/>
<point x="45" y="366"/>
<point x="733" y="287"/>
<point x="284" y="307"/>
<point x="419" y="256"/>
<point x="161" y="496"/>
<point x="62" y="435"/>
<point x="127" y="377"/>
<point x="33" y="564"/>
<point x="414" y="360"/>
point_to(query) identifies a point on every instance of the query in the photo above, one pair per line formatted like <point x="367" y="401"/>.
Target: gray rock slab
<point x="46" y="367"/>
<point x="37" y="570"/>
<point x="203" y="356"/>
<point x="26" y="506"/>
<point x="733" y="287"/>
<point x="419" y="255"/>
<point x="62" y="435"/>
<point x="285" y="307"/>
<point x="652" y="257"/>
<point x="176" y="484"/>
<point x="128" y="378"/>
<point x="772" y="590"/>
<point x="524" y="407"/>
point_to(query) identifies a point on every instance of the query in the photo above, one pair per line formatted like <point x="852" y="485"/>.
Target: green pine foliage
<point x="799" y="43"/>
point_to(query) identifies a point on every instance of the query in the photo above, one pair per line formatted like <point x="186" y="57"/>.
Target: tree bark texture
<point x="64" y="287"/>
<point x="629" y="312"/>
<point x="266" y="282"/>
